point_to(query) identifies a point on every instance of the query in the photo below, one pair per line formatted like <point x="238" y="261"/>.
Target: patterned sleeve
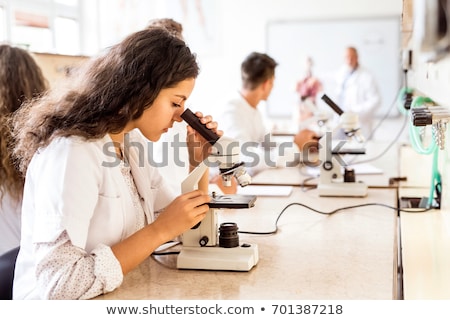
<point x="65" y="271"/>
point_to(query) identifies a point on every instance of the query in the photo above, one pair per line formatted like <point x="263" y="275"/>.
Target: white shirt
<point x="9" y="223"/>
<point x="76" y="205"/>
<point x="357" y="92"/>
<point x="171" y="157"/>
<point x="242" y="122"/>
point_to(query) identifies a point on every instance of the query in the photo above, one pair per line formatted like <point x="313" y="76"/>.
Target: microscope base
<point x="342" y="189"/>
<point x="241" y="258"/>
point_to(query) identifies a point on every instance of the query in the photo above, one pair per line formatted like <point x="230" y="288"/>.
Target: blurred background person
<point x="20" y="79"/>
<point x="242" y="120"/>
<point x="357" y="91"/>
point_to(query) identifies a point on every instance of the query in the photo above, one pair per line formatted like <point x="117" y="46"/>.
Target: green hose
<point x="432" y="148"/>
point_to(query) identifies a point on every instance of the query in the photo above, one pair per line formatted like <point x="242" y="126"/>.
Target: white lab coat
<point x="171" y="156"/>
<point x="245" y="124"/>
<point x="358" y="93"/>
<point x="77" y="186"/>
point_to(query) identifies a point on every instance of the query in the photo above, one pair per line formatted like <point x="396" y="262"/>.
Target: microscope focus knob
<point x="349" y="175"/>
<point x="327" y="165"/>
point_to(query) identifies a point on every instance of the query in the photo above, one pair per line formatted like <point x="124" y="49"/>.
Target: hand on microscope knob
<point x="181" y="214"/>
<point x="217" y="180"/>
<point x="307" y="139"/>
<point x="198" y="147"/>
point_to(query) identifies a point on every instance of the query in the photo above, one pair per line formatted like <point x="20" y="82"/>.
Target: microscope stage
<point x="232" y="201"/>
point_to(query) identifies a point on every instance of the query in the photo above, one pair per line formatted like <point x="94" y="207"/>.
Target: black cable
<point x="372" y="133"/>
<point x="165" y="253"/>
<point x="405" y="79"/>
<point x="383" y="118"/>
<point x="304" y="187"/>
<point x="329" y="213"/>
<point x="387" y="148"/>
<point x="312" y="209"/>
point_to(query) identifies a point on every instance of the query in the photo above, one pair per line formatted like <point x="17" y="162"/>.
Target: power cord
<point x="165" y="253"/>
<point x="329" y="213"/>
<point x="381" y="121"/>
<point x="306" y="188"/>
<point x="405" y="122"/>
<point x="402" y="101"/>
<point x="161" y="250"/>
<point x="404" y="92"/>
<point x="160" y="253"/>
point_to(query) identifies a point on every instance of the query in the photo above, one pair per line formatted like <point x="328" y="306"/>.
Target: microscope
<point x="319" y="119"/>
<point x="337" y="179"/>
<point x="207" y="246"/>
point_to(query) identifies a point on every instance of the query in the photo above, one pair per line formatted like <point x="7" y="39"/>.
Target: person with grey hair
<point x="357" y="91"/>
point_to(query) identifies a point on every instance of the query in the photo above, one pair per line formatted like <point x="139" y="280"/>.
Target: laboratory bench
<point x="375" y="170"/>
<point x="424" y="236"/>
<point x="425" y="250"/>
<point x="367" y="252"/>
<point x="351" y="254"/>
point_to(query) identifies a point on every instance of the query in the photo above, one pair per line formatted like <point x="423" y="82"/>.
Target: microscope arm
<point x="191" y="182"/>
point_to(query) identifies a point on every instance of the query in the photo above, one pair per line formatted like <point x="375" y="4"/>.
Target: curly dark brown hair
<point x="107" y="93"/>
<point x="21" y="79"/>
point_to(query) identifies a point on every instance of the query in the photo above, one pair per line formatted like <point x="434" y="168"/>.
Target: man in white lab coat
<point x="357" y="91"/>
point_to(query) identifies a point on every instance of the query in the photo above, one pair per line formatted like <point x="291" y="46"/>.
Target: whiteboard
<point x="290" y="42"/>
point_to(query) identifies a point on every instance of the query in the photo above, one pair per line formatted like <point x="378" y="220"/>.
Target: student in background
<point x="357" y="91"/>
<point x="243" y="121"/>
<point x="93" y="206"/>
<point x="21" y="79"/>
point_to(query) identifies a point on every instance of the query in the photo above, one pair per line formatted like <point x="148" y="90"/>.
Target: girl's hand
<point x="307" y="140"/>
<point x="182" y="214"/>
<point x="198" y="147"/>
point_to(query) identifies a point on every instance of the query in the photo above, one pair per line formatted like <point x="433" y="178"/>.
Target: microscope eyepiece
<point x="201" y="128"/>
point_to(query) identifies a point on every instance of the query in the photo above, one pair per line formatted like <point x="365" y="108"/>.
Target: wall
<point x="242" y="29"/>
<point x="235" y="27"/>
